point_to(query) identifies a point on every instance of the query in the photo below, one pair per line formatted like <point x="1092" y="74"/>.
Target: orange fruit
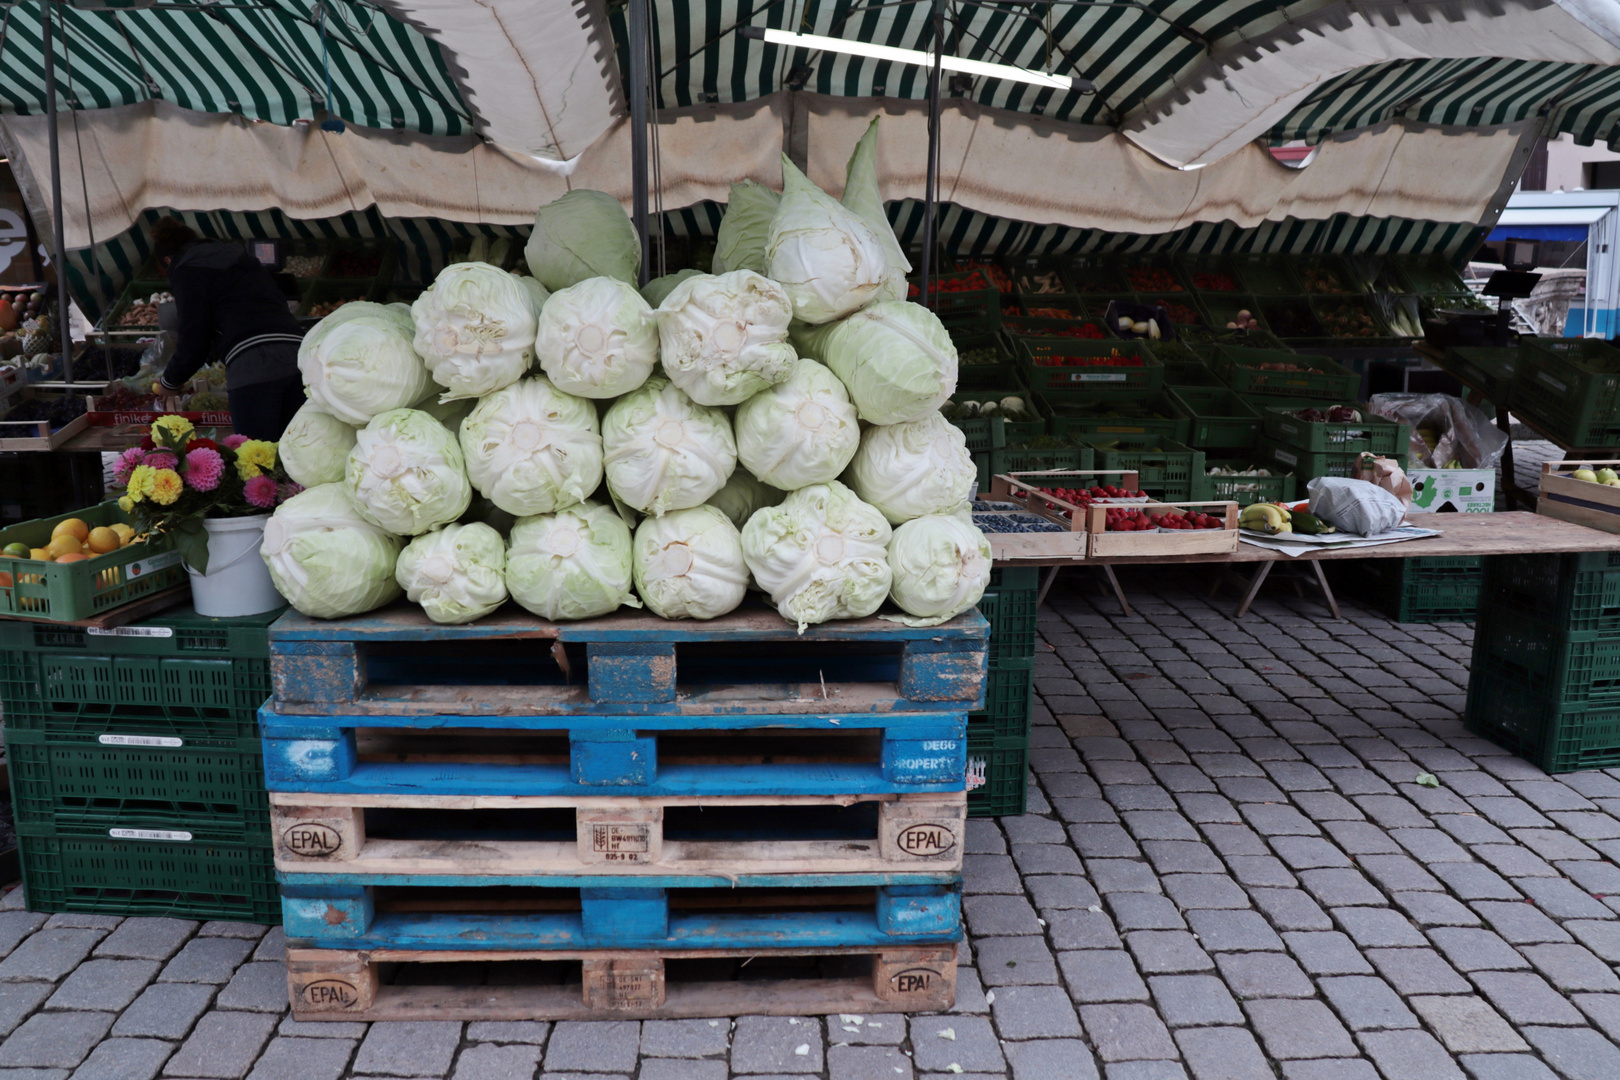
<point x="71" y="527"/>
<point x="75" y="557"/>
<point x="5" y="580"/>
<point x="103" y="540"/>
<point x="63" y="544"/>
<point x="39" y="553"/>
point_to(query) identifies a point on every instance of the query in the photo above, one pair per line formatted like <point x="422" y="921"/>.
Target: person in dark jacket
<point x="231" y="309"/>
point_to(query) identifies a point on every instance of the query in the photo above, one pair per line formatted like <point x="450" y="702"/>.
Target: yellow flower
<point x="171" y="431"/>
<point x="140" y="483"/>
<point x="126" y="504"/>
<point x="166" y="486"/>
<point x="253" y="457"/>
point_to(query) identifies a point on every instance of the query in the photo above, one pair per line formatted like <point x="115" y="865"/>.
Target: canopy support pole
<point x="58" y="230"/>
<point x="927" y="269"/>
<point x="637" y="24"/>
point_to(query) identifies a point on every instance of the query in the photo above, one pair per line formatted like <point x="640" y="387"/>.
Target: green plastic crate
<point x="1580" y="593"/>
<point x="1008" y="605"/>
<point x="1165" y="468"/>
<point x="1324" y="275"/>
<point x="998" y="773"/>
<point x="1569" y="674"/>
<point x="1265" y="275"/>
<point x="104" y="876"/>
<point x="69" y="592"/>
<point x="1173" y="352"/>
<point x="1570" y="388"/>
<point x="986" y="433"/>
<point x="1351" y="320"/>
<point x="1095" y="274"/>
<point x="1222" y="308"/>
<point x="1488" y="369"/>
<point x="1291" y="318"/>
<point x="977" y="309"/>
<point x="985" y="361"/>
<point x="1421" y="590"/>
<point x="1195" y="374"/>
<point x="83" y="787"/>
<point x="1008" y="693"/>
<point x="1078" y="328"/>
<point x="1208" y="267"/>
<point x="1371" y="434"/>
<point x="1306" y="466"/>
<point x="1181" y="307"/>
<point x="1024" y="458"/>
<point x="1516" y="716"/>
<point x="1243" y="490"/>
<point x="1154" y="273"/>
<point x="1321" y="378"/>
<point x="1217" y="418"/>
<point x="1090" y="419"/>
<point x="1035" y="354"/>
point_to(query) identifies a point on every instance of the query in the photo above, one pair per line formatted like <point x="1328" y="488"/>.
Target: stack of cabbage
<point x="728" y="421"/>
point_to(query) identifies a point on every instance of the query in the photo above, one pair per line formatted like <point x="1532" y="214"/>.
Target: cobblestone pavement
<point x="1228" y="873"/>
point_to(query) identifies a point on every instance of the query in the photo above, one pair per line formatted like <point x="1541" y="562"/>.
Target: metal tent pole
<point x="59" y="233"/>
<point x="931" y="196"/>
<point x="637" y="24"/>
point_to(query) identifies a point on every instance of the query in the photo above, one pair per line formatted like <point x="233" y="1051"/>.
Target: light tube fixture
<point x="918" y="57"/>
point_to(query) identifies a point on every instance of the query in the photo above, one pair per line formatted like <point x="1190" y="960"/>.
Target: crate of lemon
<point x="82" y="565"/>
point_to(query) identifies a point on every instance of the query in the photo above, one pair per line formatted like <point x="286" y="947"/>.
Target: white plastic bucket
<point x="237" y="582"/>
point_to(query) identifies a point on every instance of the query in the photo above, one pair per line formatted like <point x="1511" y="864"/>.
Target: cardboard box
<point x="1465" y="491"/>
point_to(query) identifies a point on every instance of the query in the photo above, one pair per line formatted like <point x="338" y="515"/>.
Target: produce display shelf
<point x="1571" y="388"/>
<point x="1182" y="308"/>
<point x="1119" y="366"/>
<point x="998" y="770"/>
<point x="1245" y="490"/>
<point x="1089" y="419"/>
<point x="1371" y="434"/>
<point x="69" y="592"/>
<point x="985" y="433"/>
<point x="1325" y="275"/>
<point x="1150" y="273"/>
<point x="1580" y="593"/>
<point x="1317" y="377"/>
<point x="984" y="360"/>
<point x="1079" y="328"/>
<point x="35" y="435"/>
<point x="1217" y="418"/>
<point x="1223" y="308"/>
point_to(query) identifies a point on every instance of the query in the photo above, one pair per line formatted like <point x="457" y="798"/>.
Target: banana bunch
<point x="1268" y="518"/>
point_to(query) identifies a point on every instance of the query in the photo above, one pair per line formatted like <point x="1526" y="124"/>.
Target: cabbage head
<point x="448" y="413"/>
<point x="742" y="495"/>
<point x="723" y="338"/>
<point x="457" y="573"/>
<point x="315" y="446"/>
<point x="597" y="339"/>
<point x="895" y="357"/>
<point x="799" y="432"/>
<point x="663" y="451"/>
<point x="941" y="564"/>
<point x="862" y="195"/>
<point x="746" y="228"/>
<point x="829" y="260"/>
<point x="327" y="560"/>
<point x="822" y="554"/>
<point x="584" y="234"/>
<point x="360" y="361"/>
<point x="659" y="287"/>
<point x="915" y="468"/>
<point x="689" y="564"/>
<point x="574" y="564"/>
<point x="532" y="449"/>
<point x="406" y="473"/>
<point x="475" y="329"/>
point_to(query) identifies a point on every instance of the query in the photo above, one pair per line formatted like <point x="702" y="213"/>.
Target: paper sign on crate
<point x="1463" y="491"/>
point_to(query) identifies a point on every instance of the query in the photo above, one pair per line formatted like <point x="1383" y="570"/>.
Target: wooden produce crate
<point x="1563" y="497"/>
<point x="36" y="434"/>
<point x="1023" y="489"/>
<point x="1107" y="545"/>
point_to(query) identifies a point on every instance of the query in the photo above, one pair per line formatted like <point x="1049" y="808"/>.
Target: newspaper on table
<point x="1296" y="544"/>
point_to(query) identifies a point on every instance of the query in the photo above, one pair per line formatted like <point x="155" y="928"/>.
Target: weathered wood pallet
<point x="396" y="662"/>
<point x="792" y="911"/>
<point x="711" y="840"/>
<point x="580" y="754"/>
<point x="392" y="984"/>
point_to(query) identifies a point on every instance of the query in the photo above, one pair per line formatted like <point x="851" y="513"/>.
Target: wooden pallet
<point x="397" y="662"/>
<point x="581" y="754"/>
<point x="792" y="911"/>
<point x="331" y="984"/>
<point x="324" y="837"/>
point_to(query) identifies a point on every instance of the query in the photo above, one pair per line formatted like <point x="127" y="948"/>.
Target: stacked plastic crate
<point x="620" y="817"/>
<point x="998" y="737"/>
<point x="1545" y="677"/>
<point x="136" y="773"/>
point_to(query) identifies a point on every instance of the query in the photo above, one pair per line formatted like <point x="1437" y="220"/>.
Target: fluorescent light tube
<point x="918" y="57"/>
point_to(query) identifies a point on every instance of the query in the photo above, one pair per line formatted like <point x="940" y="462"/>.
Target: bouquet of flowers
<point x="175" y="478"/>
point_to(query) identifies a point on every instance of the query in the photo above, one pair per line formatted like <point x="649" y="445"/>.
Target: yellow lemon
<point x="125" y="533"/>
<point x="103" y="540"/>
<point x="63" y="544"/>
<point x="41" y="554"/>
<point x="71" y="527"/>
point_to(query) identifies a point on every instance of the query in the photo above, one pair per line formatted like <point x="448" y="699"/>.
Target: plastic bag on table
<point x="1355" y="506"/>
<point x="1461" y="432"/>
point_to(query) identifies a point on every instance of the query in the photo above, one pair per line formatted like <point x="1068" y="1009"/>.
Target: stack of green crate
<point x="1424" y="590"/>
<point x="1545" y="675"/>
<point x="998" y="737"/>
<point x="136" y="768"/>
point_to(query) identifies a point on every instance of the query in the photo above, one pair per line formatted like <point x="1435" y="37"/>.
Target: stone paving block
<point x="1476" y="950"/>
<point x="990" y="874"/>
<point x="1506" y="1067"/>
<point x="1167" y="952"/>
<point x="1234" y="931"/>
<point x="1121" y="875"/>
<point x="1127" y="1032"/>
<point x="1072" y="929"/>
<point x="689" y="1069"/>
<point x="769" y="1044"/>
<point x="1194" y="1001"/>
<point x="1223" y="1053"/>
<point x="1291" y="909"/>
<point x="328" y="1059"/>
<point x="1399" y="873"/>
<point x="498" y="1062"/>
<point x="1034" y="1012"/>
<point x="1594" y="877"/>
<point x="1330" y="1069"/>
<point x="164" y="1011"/>
<point x="1472" y="881"/>
<point x="1410" y="1055"/>
<point x="1208" y="809"/>
<point x="1367" y="1003"/>
<point x="1471" y="829"/>
<point x="1299" y="1029"/>
<point x="1052" y="892"/>
<point x="1572" y="967"/>
<point x="225" y="1045"/>
<point x="1510" y="813"/>
<point x="1468" y="1025"/>
<point x="1577" y="1053"/>
<point x="1145" y="911"/>
<point x="1521" y="924"/>
<point x="1428" y="909"/>
<point x="1513" y="861"/>
<point x="1103" y="841"/>
<point x="225" y="928"/>
<point x="1159" y="825"/>
<point x="1326" y="953"/>
<point x="876" y="1030"/>
<point x="140" y="1059"/>
<point x="1028" y="829"/>
<point x="54" y="1040"/>
<point x="535" y="1031"/>
<point x="272" y="947"/>
<point x="1182" y="857"/>
<point x="17" y="925"/>
<point x="49" y="954"/>
<point x="992" y="915"/>
<point x="1096" y="975"/>
<point x="1236" y="840"/>
<point x="1205" y="891"/>
<point x="1553" y="844"/>
<point x="1279" y="820"/>
<point x="257" y="987"/>
<point x="1260" y="871"/>
<point x="1253" y="975"/>
<point x="1361" y="838"/>
<point x="17" y="1000"/>
<point x="147" y="938"/>
<point x="207" y="960"/>
<point x="1054" y="1059"/>
<point x="1339" y="888"/>
<point x="1418" y="971"/>
<point x="1045" y="859"/>
<point x="109" y="985"/>
<point x="1355" y="782"/>
<point x="1378" y="928"/>
<point x="1563" y="900"/>
<point x="974" y="1047"/>
<point x="425" y="1048"/>
<point x="1015" y="961"/>
<point x="82" y="920"/>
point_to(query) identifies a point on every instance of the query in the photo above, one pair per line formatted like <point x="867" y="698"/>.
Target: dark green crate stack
<point x="1426" y="590"/>
<point x="1545" y="675"/>
<point x="137" y="776"/>
<point x="998" y="737"/>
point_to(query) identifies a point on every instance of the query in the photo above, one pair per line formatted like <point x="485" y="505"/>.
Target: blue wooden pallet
<point x="752" y="661"/>
<point x="620" y="917"/>
<point x="620" y="756"/>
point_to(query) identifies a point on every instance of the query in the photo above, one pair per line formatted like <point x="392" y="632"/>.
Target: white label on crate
<point x="148" y="834"/>
<point x="131" y="631"/>
<point x="142" y="567"/>
<point x="975" y="772"/>
<point x="140" y="740"/>
<point x="1285" y="457"/>
<point x="1099" y="376"/>
<point x="1552" y="382"/>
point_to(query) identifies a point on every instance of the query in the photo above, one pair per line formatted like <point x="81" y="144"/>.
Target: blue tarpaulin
<point x="1538" y="232"/>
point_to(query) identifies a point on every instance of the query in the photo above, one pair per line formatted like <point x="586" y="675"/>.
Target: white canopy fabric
<point x="151" y="155"/>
